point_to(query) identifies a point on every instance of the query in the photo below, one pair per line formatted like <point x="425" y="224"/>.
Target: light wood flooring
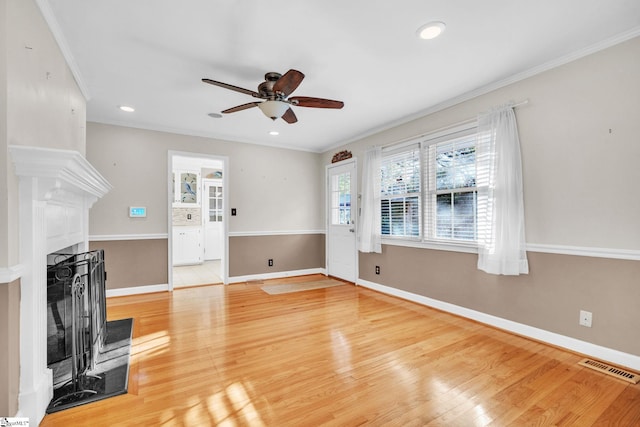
<point x="342" y="356"/>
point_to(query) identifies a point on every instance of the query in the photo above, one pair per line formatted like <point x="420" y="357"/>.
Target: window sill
<point x="470" y="248"/>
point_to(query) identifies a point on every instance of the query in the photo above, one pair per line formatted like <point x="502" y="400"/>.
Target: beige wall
<point x="42" y="105"/>
<point x="133" y="263"/>
<point x="579" y="178"/>
<point x="5" y="246"/>
<point x="550" y="297"/>
<point x="248" y="255"/>
<point x="10" y="354"/>
<point x="272" y="189"/>
<point x="579" y="137"/>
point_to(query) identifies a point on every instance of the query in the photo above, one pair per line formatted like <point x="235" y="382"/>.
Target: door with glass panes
<point x="341" y="215"/>
<point x="213" y="218"/>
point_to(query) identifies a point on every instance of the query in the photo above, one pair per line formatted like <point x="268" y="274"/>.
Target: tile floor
<point x="206" y="273"/>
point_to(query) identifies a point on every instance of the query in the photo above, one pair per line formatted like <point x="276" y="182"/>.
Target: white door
<point x="341" y="228"/>
<point x="213" y="217"/>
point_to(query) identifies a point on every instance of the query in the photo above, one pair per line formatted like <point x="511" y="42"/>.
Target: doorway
<point x="197" y="223"/>
<point x="342" y="259"/>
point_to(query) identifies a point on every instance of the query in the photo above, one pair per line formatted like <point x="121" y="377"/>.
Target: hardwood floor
<point x="234" y="355"/>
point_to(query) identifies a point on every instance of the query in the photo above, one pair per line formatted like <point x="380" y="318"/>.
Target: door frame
<point x="354" y="213"/>
<point x="225" y="202"/>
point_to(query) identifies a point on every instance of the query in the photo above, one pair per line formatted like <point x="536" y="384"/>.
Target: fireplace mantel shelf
<point x="67" y="169"/>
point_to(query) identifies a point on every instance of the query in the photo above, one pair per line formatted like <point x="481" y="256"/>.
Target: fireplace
<point x="56" y="190"/>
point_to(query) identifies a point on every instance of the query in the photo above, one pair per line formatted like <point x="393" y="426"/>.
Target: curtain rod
<point x="442" y="129"/>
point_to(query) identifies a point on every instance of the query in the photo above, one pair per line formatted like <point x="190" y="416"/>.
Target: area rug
<point x="285" y="288"/>
<point x="110" y="376"/>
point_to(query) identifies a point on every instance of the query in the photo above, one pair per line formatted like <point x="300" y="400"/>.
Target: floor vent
<point x="622" y="374"/>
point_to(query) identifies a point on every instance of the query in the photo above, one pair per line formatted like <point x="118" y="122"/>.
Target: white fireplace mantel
<point x="64" y="169"/>
<point x="56" y="190"/>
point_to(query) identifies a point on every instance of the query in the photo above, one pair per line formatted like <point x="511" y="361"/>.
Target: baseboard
<point x="136" y="290"/>
<point x="596" y="351"/>
<point x="119" y="237"/>
<point x="277" y="275"/>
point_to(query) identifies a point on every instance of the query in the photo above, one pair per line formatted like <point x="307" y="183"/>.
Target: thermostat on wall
<point x="137" y="212"/>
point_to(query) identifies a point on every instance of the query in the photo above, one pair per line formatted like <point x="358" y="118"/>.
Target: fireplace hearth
<point x="84" y="368"/>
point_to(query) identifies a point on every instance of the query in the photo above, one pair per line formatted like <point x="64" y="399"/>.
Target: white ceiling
<point x="152" y="54"/>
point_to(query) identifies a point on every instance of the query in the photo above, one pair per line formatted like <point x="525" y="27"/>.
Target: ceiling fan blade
<point x="306" y="101"/>
<point x="289" y="116"/>
<point x="240" y="107"/>
<point x="232" y="87"/>
<point x="288" y="82"/>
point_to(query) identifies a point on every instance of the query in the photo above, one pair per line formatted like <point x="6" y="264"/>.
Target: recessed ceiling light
<point x="215" y="115"/>
<point x="274" y="133"/>
<point x="127" y="108"/>
<point x="431" y="30"/>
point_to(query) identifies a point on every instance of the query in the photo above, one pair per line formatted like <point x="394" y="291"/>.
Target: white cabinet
<point x="187" y="245"/>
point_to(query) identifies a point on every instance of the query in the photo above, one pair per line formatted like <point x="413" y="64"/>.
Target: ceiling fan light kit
<point x="274" y="92"/>
<point x="273" y="109"/>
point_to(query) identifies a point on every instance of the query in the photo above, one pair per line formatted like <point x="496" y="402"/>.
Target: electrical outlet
<point x="377" y="269"/>
<point x="270" y="262"/>
<point x="585" y="318"/>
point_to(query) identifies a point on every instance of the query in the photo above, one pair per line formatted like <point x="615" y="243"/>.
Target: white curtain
<point x="370" y="204"/>
<point x="501" y="232"/>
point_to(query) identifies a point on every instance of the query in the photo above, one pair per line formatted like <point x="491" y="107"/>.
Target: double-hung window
<point x="429" y="189"/>
<point x="400" y="193"/>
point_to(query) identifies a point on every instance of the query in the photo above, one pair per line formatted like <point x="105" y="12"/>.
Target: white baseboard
<point x="118" y="237"/>
<point x="596" y="351"/>
<point x="277" y="275"/>
<point x="136" y="290"/>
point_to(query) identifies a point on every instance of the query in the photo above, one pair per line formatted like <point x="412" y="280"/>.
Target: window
<point x="429" y="189"/>
<point x="452" y="191"/>
<point x="341" y="199"/>
<point x="400" y="204"/>
<point x="215" y="203"/>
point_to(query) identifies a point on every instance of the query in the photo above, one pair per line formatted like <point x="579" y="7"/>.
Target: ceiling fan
<point x="274" y="92"/>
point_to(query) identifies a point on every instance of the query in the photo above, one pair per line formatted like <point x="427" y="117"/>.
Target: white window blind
<point x="401" y="192"/>
<point x="451" y="196"/>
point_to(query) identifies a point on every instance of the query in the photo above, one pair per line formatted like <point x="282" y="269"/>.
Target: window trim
<point x="424" y="141"/>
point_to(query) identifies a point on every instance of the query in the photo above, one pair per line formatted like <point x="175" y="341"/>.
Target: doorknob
<point x="353" y="230"/>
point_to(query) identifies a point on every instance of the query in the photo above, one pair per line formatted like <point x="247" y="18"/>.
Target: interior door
<point x="213" y="217"/>
<point x="341" y="227"/>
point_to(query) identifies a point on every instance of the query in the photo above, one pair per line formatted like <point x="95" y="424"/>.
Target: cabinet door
<point x="187" y="245"/>
<point x="186" y="188"/>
